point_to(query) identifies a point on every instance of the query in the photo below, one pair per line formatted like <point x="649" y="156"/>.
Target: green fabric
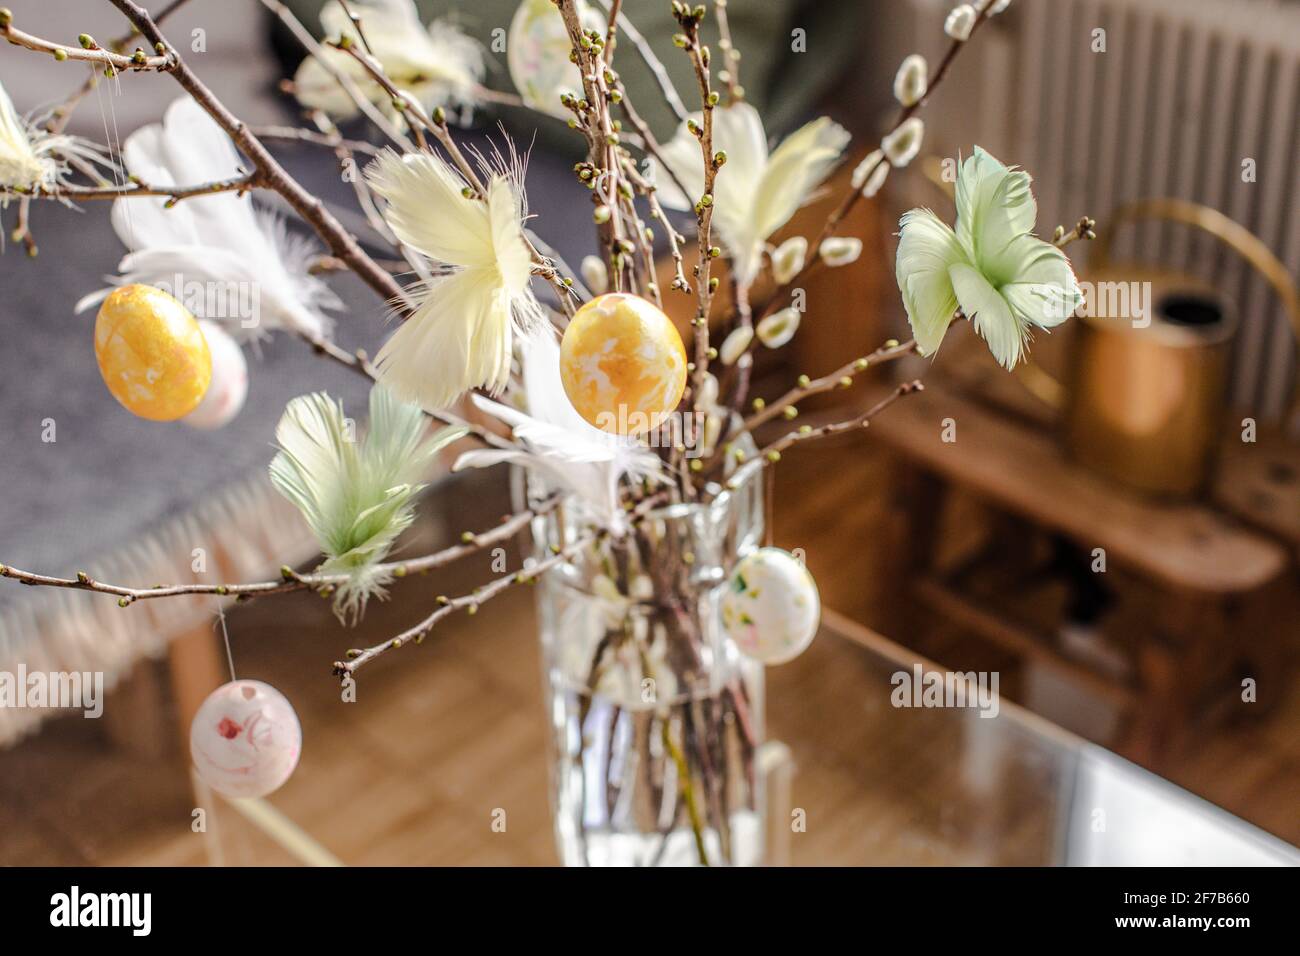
<point x="782" y="83"/>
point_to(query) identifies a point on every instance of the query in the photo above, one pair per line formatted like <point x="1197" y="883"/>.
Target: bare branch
<point x="469" y="603"/>
<point x="175" y="194"/>
<point x="851" y="198"/>
<point x="290" y="580"/>
<point x="655" y="65"/>
<point x="88" y="52"/>
<point x="772" y="453"/>
<point x="340" y="242"/>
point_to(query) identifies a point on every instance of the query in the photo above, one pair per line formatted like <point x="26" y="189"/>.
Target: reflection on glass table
<point x="885" y="784"/>
<point x="872" y="783"/>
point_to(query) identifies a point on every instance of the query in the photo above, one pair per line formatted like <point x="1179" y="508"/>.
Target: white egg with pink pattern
<point x="245" y="739"/>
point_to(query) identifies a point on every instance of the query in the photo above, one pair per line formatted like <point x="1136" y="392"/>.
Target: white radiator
<point x="1185" y="92"/>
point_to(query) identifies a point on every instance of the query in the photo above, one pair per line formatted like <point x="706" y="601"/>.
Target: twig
<point x="689" y="20"/>
<point x="339" y="241"/>
<point x="356" y="22"/>
<point x="604" y="168"/>
<point x="175" y="194"/>
<point x="652" y="62"/>
<point x="301" y="135"/>
<point x="120" y="44"/>
<point x="358" y="658"/>
<point x="23" y="230"/>
<point x="730" y="74"/>
<point x="787" y="405"/>
<point x="89" y="51"/>
<point x="290" y="580"/>
<point x="840" y="378"/>
<point x="1085" y="228"/>
<point x="851" y="199"/>
<point x="772" y="453"/>
<point x="348" y="85"/>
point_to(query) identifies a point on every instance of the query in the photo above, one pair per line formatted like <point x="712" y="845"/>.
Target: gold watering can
<point x="1145" y="390"/>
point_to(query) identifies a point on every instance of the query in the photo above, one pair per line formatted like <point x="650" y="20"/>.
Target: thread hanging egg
<point x="771" y="607"/>
<point x="245" y="739"/>
<point x="623" y="364"/>
<point x="151" y="353"/>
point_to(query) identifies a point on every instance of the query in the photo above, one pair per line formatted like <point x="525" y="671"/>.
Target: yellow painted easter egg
<point x="151" y="353"/>
<point x="623" y="364"/>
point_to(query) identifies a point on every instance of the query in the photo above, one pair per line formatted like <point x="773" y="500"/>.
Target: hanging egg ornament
<point x="245" y="739"/>
<point x="538" y="50"/>
<point x="151" y="353"/>
<point x="623" y="364"/>
<point x="771" y="607"/>
<point x="225" y="396"/>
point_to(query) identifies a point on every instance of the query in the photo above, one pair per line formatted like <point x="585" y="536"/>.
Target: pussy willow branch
<point x="1085" y="228"/>
<point x="469" y="603"/>
<point x="771" y="454"/>
<point x="615" y="10"/>
<point x="690" y="24"/>
<point x="840" y="378"/>
<point x="290" y="580"/>
<point x="730" y="74"/>
<point x="357" y="24"/>
<point x="345" y="82"/>
<point x="851" y="199"/>
<point x="340" y="242"/>
<point x="648" y="189"/>
<point x="89" y="52"/>
<point x="303" y="135"/>
<point x="592" y="116"/>
<point x="652" y="62"/>
<point x="62" y="113"/>
<point x="121" y="43"/>
<point x="175" y="194"/>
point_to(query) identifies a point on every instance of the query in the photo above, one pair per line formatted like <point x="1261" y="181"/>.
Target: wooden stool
<point x="1214" y="583"/>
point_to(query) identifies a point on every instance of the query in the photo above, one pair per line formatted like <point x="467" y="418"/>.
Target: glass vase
<point x="656" y="718"/>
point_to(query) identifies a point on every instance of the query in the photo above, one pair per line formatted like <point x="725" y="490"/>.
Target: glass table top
<point x="886" y="784"/>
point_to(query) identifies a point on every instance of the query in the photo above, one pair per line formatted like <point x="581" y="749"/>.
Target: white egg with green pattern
<point x="771" y="607"/>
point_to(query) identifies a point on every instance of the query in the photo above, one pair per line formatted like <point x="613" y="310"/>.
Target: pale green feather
<point x="1006" y="280"/>
<point x="357" y="496"/>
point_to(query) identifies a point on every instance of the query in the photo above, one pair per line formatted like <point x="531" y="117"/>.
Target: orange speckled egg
<point x="623" y="364"/>
<point x="151" y="353"/>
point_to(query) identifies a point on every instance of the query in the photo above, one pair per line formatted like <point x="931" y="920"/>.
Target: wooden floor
<point x="443" y="735"/>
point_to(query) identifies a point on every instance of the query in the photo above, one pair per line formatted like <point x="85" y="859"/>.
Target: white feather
<point x="222" y="238"/>
<point x="559" y="445"/>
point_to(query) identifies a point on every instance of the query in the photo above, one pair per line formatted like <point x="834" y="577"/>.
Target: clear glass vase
<point x="656" y="717"/>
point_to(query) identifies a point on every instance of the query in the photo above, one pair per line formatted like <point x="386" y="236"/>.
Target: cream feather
<point x="461" y="334"/>
<point x="31" y="157"/>
<point x="438" y="64"/>
<point x="755" y="193"/>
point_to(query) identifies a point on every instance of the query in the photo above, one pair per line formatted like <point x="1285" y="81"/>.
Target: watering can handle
<point x="1228" y="231"/>
<point x="1231" y="233"/>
